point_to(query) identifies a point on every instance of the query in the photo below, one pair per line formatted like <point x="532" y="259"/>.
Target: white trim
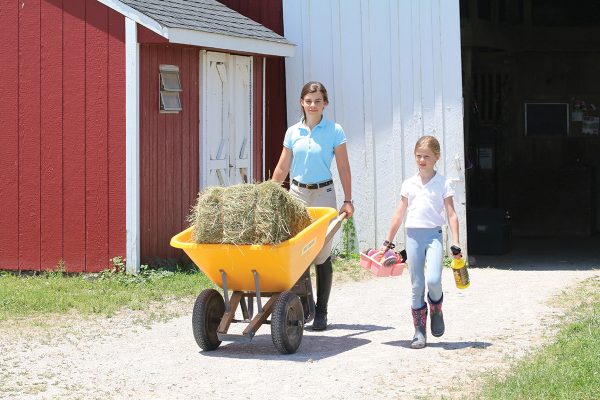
<point x="132" y="147"/>
<point x="137" y="16"/>
<point x="230" y="43"/>
<point x="264" y="116"/>
<point x="202" y="123"/>
<point x="250" y="172"/>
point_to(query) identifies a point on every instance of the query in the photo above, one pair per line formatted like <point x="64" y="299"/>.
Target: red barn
<point x="118" y="112"/>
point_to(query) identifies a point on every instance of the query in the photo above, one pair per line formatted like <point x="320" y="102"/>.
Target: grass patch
<point x="348" y="268"/>
<point x="24" y="296"/>
<point x="104" y="294"/>
<point x="567" y="368"/>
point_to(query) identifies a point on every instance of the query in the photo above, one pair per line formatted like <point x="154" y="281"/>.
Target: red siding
<point x="270" y="14"/>
<point x="51" y="139"/>
<point x="257" y="103"/>
<point x="29" y="135"/>
<point x="74" y="135"/>
<point x="117" y="233"/>
<point x="62" y="162"/>
<point x="9" y="115"/>
<point x="168" y="150"/>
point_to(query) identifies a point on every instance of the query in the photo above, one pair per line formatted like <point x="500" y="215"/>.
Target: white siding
<point x="392" y="70"/>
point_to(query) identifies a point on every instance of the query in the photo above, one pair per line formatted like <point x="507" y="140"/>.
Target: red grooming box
<point x="379" y="269"/>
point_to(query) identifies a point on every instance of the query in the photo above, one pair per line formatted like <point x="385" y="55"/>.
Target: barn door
<point x="226" y="125"/>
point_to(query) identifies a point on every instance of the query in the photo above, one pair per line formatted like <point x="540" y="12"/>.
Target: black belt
<point x="312" y="185"/>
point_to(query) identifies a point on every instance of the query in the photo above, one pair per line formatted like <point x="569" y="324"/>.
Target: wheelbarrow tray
<point x="278" y="266"/>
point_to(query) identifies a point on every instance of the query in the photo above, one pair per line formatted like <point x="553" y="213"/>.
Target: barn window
<point x="170" y="86"/>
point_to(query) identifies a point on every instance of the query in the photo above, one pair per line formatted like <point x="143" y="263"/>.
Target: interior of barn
<point x="531" y="84"/>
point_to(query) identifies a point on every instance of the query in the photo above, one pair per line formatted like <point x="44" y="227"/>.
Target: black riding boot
<point x="324" y="278"/>
<point x="420" y="322"/>
<point x="436" y="315"/>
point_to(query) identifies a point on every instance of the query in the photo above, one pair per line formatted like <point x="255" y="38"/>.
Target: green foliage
<point x="348" y="245"/>
<point x="569" y="367"/>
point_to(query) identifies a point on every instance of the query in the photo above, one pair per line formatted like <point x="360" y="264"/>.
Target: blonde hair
<point x="430" y="142"/>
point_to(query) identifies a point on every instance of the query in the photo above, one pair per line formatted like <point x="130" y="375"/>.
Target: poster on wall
<point x="589" y="125"/>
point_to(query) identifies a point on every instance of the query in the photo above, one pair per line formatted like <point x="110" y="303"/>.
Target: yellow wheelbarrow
<point x="280" y="272"/>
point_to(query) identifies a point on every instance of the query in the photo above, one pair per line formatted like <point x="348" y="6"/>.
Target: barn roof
<point x="205" y="23"/>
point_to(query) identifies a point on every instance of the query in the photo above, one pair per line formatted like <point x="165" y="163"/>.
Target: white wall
<point x="392" y="70"/>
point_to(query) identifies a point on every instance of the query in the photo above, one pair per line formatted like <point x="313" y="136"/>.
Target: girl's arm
<point x="283" y="165"/>
<point x="452" y="219"/>
<point x="396" y="221"/>
<point x="343" y="166"/>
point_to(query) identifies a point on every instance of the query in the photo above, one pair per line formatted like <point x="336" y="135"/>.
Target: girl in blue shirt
<point x="309" y="147"/>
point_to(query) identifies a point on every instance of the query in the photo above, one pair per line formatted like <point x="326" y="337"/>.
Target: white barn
<point x="392" y="69"/>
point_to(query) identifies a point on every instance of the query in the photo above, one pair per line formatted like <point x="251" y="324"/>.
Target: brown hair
<point x="313" y="87"/>
<point x="429" y="142"/>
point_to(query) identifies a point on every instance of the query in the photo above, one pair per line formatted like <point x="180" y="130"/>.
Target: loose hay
<point x="279" y="215"/>
<point x="206" y="216"/>
<point x="239" y="203"/>
<point x="262" y="213"/>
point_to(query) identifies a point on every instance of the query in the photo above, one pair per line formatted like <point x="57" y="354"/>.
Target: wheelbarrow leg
<point x="229" y="312"/>
<point x="260" y="317"/>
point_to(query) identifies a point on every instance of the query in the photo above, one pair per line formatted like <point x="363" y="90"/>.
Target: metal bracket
<point x="225" y="291"/>
<point x="257" y="286"/>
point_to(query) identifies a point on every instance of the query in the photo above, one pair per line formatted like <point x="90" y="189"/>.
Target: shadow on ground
<point x="314" y="346"/>
<point x="444" y="345"/>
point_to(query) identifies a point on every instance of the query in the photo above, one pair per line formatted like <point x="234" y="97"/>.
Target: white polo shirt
<point x="426" y="202"/>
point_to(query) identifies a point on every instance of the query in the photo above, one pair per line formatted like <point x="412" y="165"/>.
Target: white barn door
<point x="226" y="119"/>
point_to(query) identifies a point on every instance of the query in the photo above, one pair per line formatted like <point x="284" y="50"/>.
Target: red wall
<point x="168" y="149"/>
<point x="62" y="157"/>
<point x="270" y="14"/>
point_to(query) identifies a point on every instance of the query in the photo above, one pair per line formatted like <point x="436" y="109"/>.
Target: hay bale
<point x="206" y="216"/>
<point x="262" y="213"/>
<point x="279" y="215"/>
<point x="239" y="204"/>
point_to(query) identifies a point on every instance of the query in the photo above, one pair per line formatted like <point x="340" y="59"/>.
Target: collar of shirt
<point x="321" y="123"/>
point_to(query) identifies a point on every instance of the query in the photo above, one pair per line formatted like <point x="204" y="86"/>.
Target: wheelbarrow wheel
<point x="287" y="323"/>
<point x="208" y="311"/>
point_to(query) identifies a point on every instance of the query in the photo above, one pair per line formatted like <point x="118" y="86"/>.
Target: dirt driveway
<point x="364" y="354"/>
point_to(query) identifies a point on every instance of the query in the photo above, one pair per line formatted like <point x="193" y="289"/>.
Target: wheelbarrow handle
<point x="334" y="225"/>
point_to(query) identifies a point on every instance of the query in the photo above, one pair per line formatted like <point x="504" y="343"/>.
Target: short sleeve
<point x="449" y="189"/>
<point x="287" y="140"/>
<point x="340" y="136"/>
<point x="404" y="189"/>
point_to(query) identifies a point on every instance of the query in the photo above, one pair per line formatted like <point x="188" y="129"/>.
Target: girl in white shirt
<point x="424" y="197"/>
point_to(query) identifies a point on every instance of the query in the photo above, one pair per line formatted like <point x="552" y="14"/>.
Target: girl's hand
<point x="456" y="251"/>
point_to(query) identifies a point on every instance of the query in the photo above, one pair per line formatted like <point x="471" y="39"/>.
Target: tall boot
<point x="324" y="278"/>
<point x="420" y="322"/>
<point x="436" y="315"/>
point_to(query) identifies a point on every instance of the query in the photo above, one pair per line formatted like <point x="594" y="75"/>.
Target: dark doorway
<point x="531" y="85"/>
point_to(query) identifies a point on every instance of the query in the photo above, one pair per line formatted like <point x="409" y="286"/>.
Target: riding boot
<point x="436" y="315"/>
<point x="324" y="278"/>
<point x="420" y="322"/>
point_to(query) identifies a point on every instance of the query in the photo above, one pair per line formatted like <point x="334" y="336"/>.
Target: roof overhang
<point x="203" y="39"/>
<point x="227" y="42"/>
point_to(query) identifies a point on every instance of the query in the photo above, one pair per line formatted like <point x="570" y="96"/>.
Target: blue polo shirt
<point x="313" y="150"/>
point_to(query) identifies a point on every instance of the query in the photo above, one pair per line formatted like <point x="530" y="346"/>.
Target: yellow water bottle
<point x="459" y="269"/>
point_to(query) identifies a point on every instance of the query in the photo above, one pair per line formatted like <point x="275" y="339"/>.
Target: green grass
<point x="104" y="293"/>
<point x="567" y="368"/>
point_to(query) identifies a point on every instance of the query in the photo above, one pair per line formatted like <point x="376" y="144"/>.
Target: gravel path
<point x="364" y="354"/>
